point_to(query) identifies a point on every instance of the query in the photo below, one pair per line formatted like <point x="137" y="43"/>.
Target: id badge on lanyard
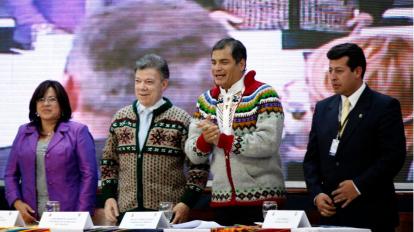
<point x="334" y="147"/>
<point x="335" y="142"/>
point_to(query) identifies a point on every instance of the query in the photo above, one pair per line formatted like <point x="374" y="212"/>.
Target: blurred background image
<point x="90" y="46"/>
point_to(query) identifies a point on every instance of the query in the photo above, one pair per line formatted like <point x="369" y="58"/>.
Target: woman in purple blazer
<point x="52" y="158"/>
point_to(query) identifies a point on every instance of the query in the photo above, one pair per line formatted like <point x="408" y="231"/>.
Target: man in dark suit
<point x="356" y="147"/>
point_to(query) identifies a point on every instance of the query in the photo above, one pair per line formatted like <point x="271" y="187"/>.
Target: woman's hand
<point x="25" y="210"/>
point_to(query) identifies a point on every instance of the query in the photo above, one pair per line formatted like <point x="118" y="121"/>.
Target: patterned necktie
<point x="345" y="111"/>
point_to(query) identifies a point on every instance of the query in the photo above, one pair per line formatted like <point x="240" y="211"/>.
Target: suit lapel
<point x="58" y="136"/>
<point x="32" y="138"/>
<point x="331" y="118"/>
<point x="358" y="113"/>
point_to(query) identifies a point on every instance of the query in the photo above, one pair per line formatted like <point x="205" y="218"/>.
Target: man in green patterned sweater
<point x="237" y="129"/>
<point x="143" y="159"/>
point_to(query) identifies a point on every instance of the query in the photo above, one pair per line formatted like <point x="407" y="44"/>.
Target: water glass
<point x="268" y="205"/>
<point x="52" y="206"/>
<point x="167" y="208"/>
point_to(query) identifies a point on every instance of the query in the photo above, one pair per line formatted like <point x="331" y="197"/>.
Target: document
<point x="197" y="224"/>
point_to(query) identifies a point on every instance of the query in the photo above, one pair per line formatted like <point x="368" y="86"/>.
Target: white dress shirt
<point x="353" y="99"/>
<point x="145" y="118"/>
<point x="228" y="102"/>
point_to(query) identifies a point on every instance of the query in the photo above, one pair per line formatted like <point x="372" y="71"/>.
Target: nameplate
<point x="66" y="221"/>
<point x="286" y="219"/>
<point x="11" y="218"/>
<point x="144" y="220"/>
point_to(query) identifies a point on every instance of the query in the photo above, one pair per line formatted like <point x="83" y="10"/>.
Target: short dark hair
<point x="238" y="50"/>
<point x="353" y="52"/>
<point x="62" y="98"/>
<point x="153" y="61"/>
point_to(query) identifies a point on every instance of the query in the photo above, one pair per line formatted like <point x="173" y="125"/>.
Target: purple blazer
<point x="70" y="162"/>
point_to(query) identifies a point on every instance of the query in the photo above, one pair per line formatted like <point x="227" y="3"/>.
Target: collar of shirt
<point x="235" y="88"/>
<point x="227" y="108"/>
<point x="141" y="108"/>
<point x="353" y="99"/>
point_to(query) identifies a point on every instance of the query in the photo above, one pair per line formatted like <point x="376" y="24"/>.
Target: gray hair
<point x="153" y="61"/>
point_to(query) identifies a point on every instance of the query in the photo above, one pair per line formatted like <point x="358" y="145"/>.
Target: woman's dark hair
<point x="62" y="98"/>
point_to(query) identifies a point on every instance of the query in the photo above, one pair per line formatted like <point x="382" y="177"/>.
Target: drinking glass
<point x="52" y="206"/>
<point x="167" y="208"/>
<point x="268" y="205"/>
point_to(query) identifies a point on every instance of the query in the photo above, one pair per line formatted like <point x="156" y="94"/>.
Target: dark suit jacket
<point x="371" y="153"/>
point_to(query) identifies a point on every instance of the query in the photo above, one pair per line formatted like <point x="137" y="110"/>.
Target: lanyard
<point x="341" y="126"/>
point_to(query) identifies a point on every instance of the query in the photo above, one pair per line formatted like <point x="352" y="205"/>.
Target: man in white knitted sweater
<point x="237" y="129"/>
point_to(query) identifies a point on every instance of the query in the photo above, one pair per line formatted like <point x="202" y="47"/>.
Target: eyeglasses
<point x="48" y="100"/>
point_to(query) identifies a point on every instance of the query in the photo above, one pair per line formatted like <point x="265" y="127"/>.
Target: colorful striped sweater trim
<point x="259" y="100"/>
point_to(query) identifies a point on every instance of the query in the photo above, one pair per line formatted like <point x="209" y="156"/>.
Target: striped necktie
<point x="344" y="114"/>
